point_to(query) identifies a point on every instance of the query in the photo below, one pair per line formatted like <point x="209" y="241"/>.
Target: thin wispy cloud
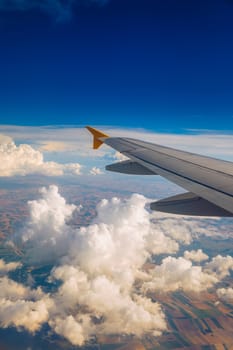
<point x="60" y="10"/>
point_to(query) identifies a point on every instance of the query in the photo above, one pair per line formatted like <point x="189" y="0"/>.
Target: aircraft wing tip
<point x="97" y="136"/>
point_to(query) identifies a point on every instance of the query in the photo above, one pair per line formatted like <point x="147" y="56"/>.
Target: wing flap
<point x="189" y="204"/>
<point x="129" y="167"/>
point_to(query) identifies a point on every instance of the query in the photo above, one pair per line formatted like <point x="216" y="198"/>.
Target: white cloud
<point x="70" y="329"/>
<point x="22" y="307"/>
<point x="185" y="228"/>
<point x="158" y="242"/>
<point x="28" y="314"/>
<point x="225" y="294"/>
<point x="195" y="255"/>
<point x="46" y="227"/>
<point x="79" y="141"/>
<point x="24" y="159"/>
<point x="100" y="265"/>
<point x="71" y="169"/>
<point x="95" y="171"/>
<point x="55" y="146"/>
<point x="179" y="274"/>
<point x="6" y="267"/>
<point x="4" y="139"/>
<point x="220" y="266"/>
<point x="104" y="279"/>
<point x="119" y="157"/>
<point x="174" y="227"/>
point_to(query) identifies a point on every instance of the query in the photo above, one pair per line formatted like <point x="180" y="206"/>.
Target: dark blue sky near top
<point x="157" y="64"/>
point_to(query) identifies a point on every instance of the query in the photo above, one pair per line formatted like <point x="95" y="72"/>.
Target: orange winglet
<point x="97" y="136"/>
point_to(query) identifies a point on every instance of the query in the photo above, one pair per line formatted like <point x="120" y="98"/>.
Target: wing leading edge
<point x="209" y="181"/>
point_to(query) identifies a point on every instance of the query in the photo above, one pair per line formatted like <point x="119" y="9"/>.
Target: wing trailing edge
<point x="189" y="204"/>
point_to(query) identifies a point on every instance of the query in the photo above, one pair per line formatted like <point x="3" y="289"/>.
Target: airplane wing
<point x="209" y="181"/>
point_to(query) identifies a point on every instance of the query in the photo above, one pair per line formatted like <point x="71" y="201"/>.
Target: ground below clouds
<point x="103" y="278"/>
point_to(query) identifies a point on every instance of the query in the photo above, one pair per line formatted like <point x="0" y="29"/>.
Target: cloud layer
<point x="74" y="145"/>
<point x="105" y="278"/>
<point x="78" y="140"/>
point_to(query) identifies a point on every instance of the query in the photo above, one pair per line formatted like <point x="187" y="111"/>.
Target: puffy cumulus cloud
<point x="195" y="255"/>
<point x="101" y="268"/>
<point x="21" y="313"/>
<point x="71" y="169"/>
<point x="160" y="242"/>
<point x="107" y="245"/>
<point x="225" y="294"/>
<point x="11" y="289"/>
<point x="69" y="328"/>
<point x="46" y="227"/>
<point x="24" y="160"/>
<point x="179" y="274"/>
<point x="22" y="307"/>
<point x="220" y="265"/>
<point x="61" y="10"/>
<point x="95" y="171"/>
<point x="6" y="267"/>
<point x="108" y="308"/>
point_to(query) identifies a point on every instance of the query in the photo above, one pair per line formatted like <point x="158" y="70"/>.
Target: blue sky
<point x="163" y="65"/>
